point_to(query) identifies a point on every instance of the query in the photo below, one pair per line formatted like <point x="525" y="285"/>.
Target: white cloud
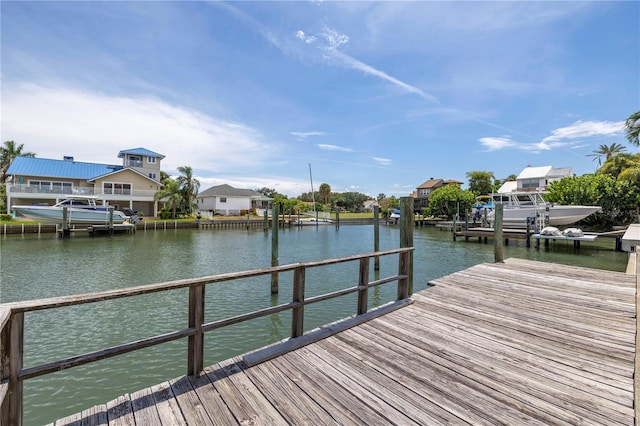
<point x="333" y="38"/>
<point x="382" y="161"/>
<point x="304" y="135"/>
<point x="94" y="127"/>
<point x="562" y="137"/>
<point x="495" y="144"/>
<point x="328" y="147"/>
<point x="586" y="129"/>
<point x="307" y="39"/>
<point x="330" y="51"/>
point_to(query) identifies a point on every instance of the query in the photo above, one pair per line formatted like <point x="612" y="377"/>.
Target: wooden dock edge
<point x="272" y="351"/>
<point x="636" y="367"/>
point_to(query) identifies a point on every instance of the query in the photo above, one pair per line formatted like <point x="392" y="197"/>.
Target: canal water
<point x="40" y="266"/>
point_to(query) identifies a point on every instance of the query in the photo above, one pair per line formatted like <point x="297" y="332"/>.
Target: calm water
<point x="44" y="266"/>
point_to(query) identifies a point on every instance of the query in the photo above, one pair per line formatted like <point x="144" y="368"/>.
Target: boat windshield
<point x="520" y="199"/>
<point x="77" y="202"/>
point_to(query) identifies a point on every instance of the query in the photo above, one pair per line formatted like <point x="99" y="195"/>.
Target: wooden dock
<point x="519" y="342"/>
<point x="483" y="235"/>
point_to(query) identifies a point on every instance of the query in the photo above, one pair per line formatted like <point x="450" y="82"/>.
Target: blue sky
<point x="377" y="96"/>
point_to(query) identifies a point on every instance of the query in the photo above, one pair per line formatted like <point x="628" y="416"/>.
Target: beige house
<point x="132" y="184"/>
<point x="423" y="192"/>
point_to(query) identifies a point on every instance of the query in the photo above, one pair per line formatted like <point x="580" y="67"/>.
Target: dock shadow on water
<point x="44" y="266"/>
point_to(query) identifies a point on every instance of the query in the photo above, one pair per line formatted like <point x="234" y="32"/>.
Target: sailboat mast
<point x="313" y="197"/>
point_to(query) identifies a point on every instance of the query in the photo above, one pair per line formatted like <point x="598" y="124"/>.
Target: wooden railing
<point x="12" y="373"/>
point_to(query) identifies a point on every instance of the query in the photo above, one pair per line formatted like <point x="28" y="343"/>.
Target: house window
<point x="52" y="187"/>
<point x="134" y="161"/>
<point x="530" y="183"/>
<point x="151" y="160"/>
<point x="114" y="188"/>
<point x="223" y="199"/>
<point x="152" y="175"/>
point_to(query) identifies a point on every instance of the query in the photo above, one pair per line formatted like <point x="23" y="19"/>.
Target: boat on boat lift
<point x="80" y="210"/>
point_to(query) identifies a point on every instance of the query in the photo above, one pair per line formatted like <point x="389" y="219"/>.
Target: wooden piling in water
<point x="406" y="232"/>
<point x="498" y="243"/>
<point x="111" y="210"/>
<point x="376" y="237"/>
<point x="275" y="216"/>
<point x="66" y="233"/>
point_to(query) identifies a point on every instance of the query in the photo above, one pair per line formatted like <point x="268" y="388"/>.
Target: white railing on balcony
<point x="16" y="191"/>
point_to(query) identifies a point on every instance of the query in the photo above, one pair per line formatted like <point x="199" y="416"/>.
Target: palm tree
<point x="632" y="128"/>
<point x="607" y="152"/>
<point x="164" y="176"/>
<point x="189" y="187"/>
<point x="617" y="164"/>
<point x="325" y="191"/>
<point x="480" y="182"/>
<point x="8" y="152"/>
<point x="171" y="192"/>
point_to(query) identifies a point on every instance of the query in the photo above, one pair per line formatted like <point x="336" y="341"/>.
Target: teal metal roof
<point x="31" y="166"/>
<point x="140" y="151"/>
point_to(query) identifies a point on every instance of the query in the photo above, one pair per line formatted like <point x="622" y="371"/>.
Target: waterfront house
<point x="229" y="201"/>
<point x="423" y="192"/>
<point x="132" y="184"/>
<point x="536" y="178"/>
<point x="368" y="205"/>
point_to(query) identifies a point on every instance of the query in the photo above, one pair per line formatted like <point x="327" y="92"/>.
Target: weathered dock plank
<point x="144" y="408"/>
<point x="212" y="401"/>
<point x="120" y="411"/>
<point x="244" y="399"/>
<point x="306" y="410"/>
<point x="168" y="408"/>
<point x="189" y="402"/>
<point x="518" y="342"/>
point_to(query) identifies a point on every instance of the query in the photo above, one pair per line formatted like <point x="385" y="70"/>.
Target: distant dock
<point x="483" y="235"/>
<point x="93" y="230"/>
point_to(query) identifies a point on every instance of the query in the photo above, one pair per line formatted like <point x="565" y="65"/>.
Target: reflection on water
<point x="44" y="266"/>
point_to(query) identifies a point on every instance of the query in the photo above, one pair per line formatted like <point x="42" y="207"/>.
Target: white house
<point x="536" y="178"/>
<point x="229" y="201"/>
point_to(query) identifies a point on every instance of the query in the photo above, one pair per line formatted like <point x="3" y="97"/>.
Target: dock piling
<point x="406" y="234"/>
<point x="275" y="218"/>
<point x="498" y="244"/>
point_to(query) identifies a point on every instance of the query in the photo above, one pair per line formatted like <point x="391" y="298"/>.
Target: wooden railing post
<point x="274" y="246"/>
<point x="376" y="236"/>
<point x="636" y="369"/>
<point x="5" y="327"/>
<point x="406" y="234"/>
<point x="404" y="268"/>
<point x="297" y="314"/>
<point x="363" y="292"/>
<point x="498" y="242"/>
<point x="11" y="351"/>
<point x="195" y="362"/>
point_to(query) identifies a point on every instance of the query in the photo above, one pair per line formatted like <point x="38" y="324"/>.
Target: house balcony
<point x="26" y="191"/>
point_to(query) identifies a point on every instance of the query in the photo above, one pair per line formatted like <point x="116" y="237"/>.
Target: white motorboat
<point x="81" y="210"/>
<point x="520" y="206"/>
